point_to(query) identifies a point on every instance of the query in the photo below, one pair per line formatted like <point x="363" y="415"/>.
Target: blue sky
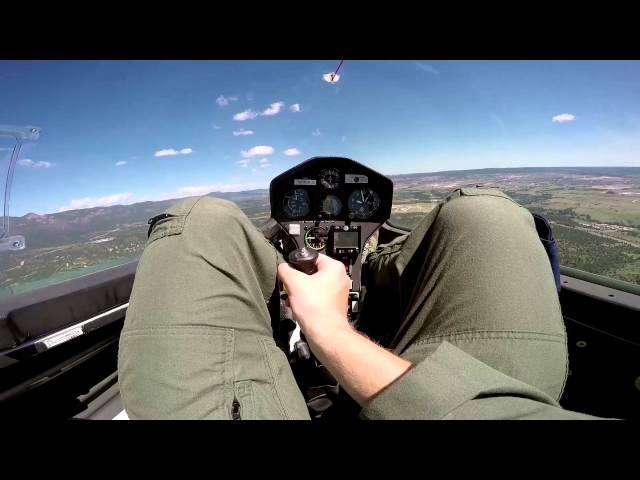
<point x="121" y="132"/>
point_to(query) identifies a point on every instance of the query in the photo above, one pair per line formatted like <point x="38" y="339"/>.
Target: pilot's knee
<point x="478" y="210"/>
<point x="217" y="217"/>
<point x="216" y="208"/>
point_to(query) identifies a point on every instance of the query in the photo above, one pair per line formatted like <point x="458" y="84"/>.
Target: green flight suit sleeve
<point x="452" y="385"/>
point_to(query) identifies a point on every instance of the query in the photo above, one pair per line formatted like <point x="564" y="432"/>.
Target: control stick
<point x="303" y="259"/>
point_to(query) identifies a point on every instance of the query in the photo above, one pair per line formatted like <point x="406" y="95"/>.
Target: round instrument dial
<point x="363" y="203"/>
<point x="316" y="238"/>
<point x="331" y="205"/>
<point x="296" y="203"/>
<point x="330" y="178"/>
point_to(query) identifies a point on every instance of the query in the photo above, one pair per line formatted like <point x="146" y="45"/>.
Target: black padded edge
<point x="29" y="315"/>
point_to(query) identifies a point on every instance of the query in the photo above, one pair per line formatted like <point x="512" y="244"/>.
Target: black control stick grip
<point x="304" y="259"/>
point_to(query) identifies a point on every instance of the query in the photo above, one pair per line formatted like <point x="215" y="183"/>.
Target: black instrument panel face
<point x="332" y="205"/>
<point x="331" y="188"/>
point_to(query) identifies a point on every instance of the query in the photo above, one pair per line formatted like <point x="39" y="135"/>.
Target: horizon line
<point x="389" y="174"/>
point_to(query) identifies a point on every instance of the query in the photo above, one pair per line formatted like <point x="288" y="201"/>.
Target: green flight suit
<point x="468" y="297"/>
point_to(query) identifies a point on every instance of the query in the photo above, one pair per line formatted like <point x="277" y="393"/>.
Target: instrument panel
<point x="331" y="188"/>
<point x="332" y="205"/>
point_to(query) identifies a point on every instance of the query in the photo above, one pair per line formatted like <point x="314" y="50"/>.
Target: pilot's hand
<point x="319" y="304"/>
<point x="318" y="301"/>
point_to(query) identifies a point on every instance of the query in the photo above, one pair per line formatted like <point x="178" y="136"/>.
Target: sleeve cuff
<point x="441" y="383"/>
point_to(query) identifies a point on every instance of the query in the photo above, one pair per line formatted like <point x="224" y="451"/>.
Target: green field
<point x="595" y="206"/>
<point x="583" y="219"/>
<point x="62" y="276"/>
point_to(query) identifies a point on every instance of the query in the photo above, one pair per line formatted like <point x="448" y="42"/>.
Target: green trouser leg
<point x="197" y="340"/>
<point x="198" y="336"/>
<point x="473" y="273"/>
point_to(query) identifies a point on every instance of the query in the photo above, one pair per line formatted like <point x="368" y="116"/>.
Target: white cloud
<point x="563" y="117"/>
<point x="256" y="151"/>
<point x="331" y="77"/>
<point x="263" y="163"/>
<point x="316" y="133"/>
<point x="242" y="132"/>
<point x="295" y="108"/>
<point x="425" y="67"/>
<point x="246" y="115"/>
<point x="224" y="101"/>
<point x="121" y="163"/>
<point x="27" y="162"/>
<point x="170" y="152"/>
<point x="290" y="152"/>
<point x="343" y="139"/>
<point x="274" y="109"/>
<point x="216" y="127"/>
<point x="90" y="202"/>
